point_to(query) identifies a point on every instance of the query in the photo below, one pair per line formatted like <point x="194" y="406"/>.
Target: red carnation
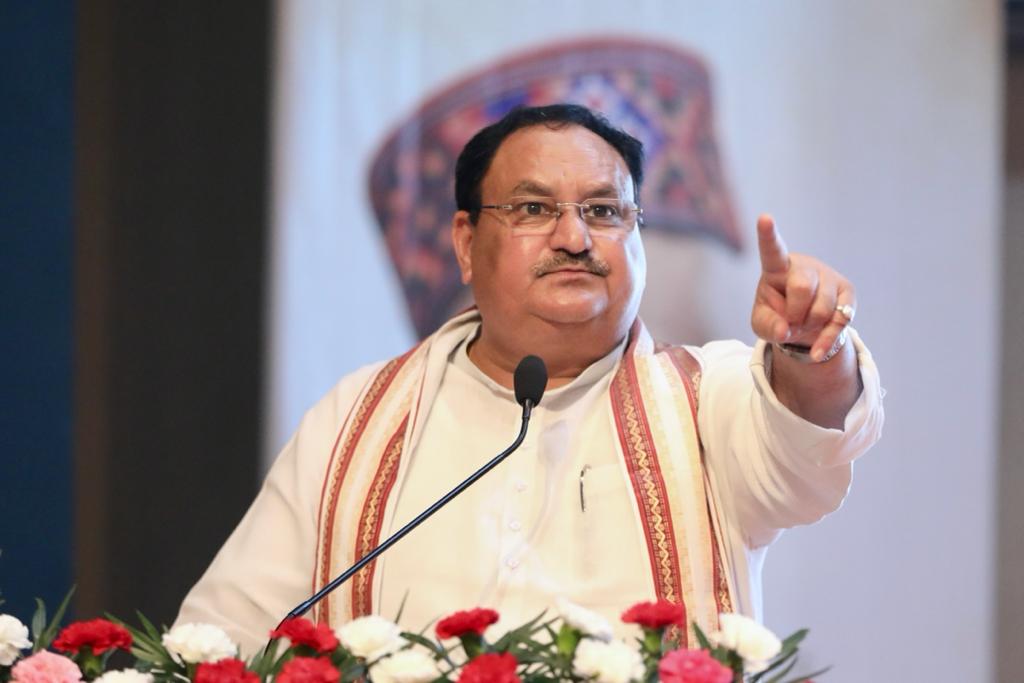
<point x="654" y="614"/>
<point x="692" y="666"/>
<point x="491" y="668"/>
<point x="302" y="631"/>
<point x="99" y="635"/>
<point x="308" y="670"/>
<point x="229" y="670"/>
<point x="468" y="621"/>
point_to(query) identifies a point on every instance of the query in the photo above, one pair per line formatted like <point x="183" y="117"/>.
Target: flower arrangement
<point x="577" y="645"/>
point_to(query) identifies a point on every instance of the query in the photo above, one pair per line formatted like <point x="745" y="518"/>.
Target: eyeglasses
<point x="539" y="215"/>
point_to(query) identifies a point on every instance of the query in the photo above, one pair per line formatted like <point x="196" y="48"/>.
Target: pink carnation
<point x="45" y="667"/>
<point x="692" y="666"/>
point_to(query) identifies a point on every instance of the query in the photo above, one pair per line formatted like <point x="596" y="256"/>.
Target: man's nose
<point x="571" y="233"/>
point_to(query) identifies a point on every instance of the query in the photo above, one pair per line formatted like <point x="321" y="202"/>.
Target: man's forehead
<point x="539" y="157"/>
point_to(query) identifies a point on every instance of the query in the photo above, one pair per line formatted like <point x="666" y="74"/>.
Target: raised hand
<point x="799" y="299"/>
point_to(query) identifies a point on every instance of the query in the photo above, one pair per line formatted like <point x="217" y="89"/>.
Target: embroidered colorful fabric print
<point x="658" y="93"/>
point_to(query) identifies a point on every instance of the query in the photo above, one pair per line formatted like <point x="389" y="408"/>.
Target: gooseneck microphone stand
<point x="530" y="381"/>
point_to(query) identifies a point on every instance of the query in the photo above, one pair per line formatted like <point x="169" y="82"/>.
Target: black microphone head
<point x="530" y="380"/>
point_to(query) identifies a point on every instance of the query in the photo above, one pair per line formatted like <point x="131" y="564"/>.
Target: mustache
<point x="561" y="259"/>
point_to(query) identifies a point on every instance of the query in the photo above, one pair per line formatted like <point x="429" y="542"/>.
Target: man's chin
<point x="572" y="313"/>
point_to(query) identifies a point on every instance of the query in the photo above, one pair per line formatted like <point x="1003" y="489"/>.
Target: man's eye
<point x="603" y="211"/>
<point x="531" y="209"/>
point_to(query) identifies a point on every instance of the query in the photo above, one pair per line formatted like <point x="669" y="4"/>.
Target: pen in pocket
<point x="583" y="499"/>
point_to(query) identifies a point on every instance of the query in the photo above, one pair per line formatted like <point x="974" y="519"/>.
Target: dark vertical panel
<point x="36" y="147"/>
<point x="175" y="96"/>
<point x="93" y="191"/>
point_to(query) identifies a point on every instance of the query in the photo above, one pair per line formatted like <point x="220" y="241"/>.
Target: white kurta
<point x="555" y="519"/>
<point x="523" y="528"/>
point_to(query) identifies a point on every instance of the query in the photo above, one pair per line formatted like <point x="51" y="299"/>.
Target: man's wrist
<point x="802" y="353"/>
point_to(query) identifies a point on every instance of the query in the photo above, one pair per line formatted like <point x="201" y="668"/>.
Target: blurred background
<point x="212" y="211"/>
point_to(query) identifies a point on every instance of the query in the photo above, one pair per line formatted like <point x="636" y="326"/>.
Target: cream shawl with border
<point x="653" y="398"/>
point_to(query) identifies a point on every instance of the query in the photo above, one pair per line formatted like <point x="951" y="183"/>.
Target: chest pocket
<point x="613" y="560"/>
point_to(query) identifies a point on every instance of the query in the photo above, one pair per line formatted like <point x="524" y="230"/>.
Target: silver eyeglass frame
<point x="638" y="219"/>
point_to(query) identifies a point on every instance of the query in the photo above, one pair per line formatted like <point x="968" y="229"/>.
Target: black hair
<point x="475" y="158"/>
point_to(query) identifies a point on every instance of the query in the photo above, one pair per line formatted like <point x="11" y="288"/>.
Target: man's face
<point x="572" y="276"/>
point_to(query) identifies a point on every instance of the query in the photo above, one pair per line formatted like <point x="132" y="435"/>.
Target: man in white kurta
<point x="558" y="518"/>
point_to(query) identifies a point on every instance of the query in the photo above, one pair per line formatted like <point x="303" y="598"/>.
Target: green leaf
<point x="141" y="639"/>
<point x="780" y="660"/>
<point x="787" y="655"/>
<point x="144" y="655"/>
<point x="149" y="651"/>
<point x="522" y="632"/>
<point x="43" y="636"/>
<point x="701" y="638"/>
<point x="89" y="663"/>
<point x="353" y="674"/>
<point x="540" y="678"/>
<point x="535" y="625"/>
<point x="425" y="642"/>
<point x="151" y="630"/>
<point x="567" y="640"/>
<point x="38" y="625"/>
<point x="777" y="678"/>
<point x="258" y="661"/>
<point x="652" y="641"/>
<point x="283" y="658"/>
<point x="58" y="617"/>
<point x="793" y="640"/>
<point x="344" y="660"/>
<point x="401" y="607"/>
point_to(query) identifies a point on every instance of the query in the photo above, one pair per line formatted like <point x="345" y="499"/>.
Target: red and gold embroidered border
<point x="372" y="518"/>
<point x="647" y="480"/>
<point x="338" y="467"/>
<point x="689" y="371"/>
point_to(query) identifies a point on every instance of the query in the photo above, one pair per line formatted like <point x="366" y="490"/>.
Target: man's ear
<point x="462" y="241"/>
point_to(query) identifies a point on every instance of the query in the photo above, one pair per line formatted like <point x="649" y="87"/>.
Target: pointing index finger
<point x="774" y="255"/>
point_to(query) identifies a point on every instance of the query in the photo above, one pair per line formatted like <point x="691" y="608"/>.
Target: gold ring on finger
<point x="847" y="311"/>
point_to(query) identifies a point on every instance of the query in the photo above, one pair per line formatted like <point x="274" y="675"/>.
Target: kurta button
<point x="515" y="525"/>
<point x="512" y="562"/>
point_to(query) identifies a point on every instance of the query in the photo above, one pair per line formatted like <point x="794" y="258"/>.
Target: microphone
<point x="529" y="380"/>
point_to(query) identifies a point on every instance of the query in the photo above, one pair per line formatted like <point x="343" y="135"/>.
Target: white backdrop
<point x="869" y="129"/>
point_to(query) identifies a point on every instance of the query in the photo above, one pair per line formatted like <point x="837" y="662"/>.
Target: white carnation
<point x="125" y="676"/>
<point x="406" y="666"/>
<point x="755" y="644"/>
<point x="195" y="643"/>
<point x="13" y="639"/>
<point x="580" y="618"/>
<point x="612" y="662"/>
<point x="371" y="637"/>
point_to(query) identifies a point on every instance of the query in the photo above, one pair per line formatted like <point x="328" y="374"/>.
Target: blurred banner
<point x="657" y="92"/>
<point x="868" y="129"/>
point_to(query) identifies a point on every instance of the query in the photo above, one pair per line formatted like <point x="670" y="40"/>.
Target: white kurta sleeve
<point x="773" y="469"/>
<point x="266" y="566"/>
